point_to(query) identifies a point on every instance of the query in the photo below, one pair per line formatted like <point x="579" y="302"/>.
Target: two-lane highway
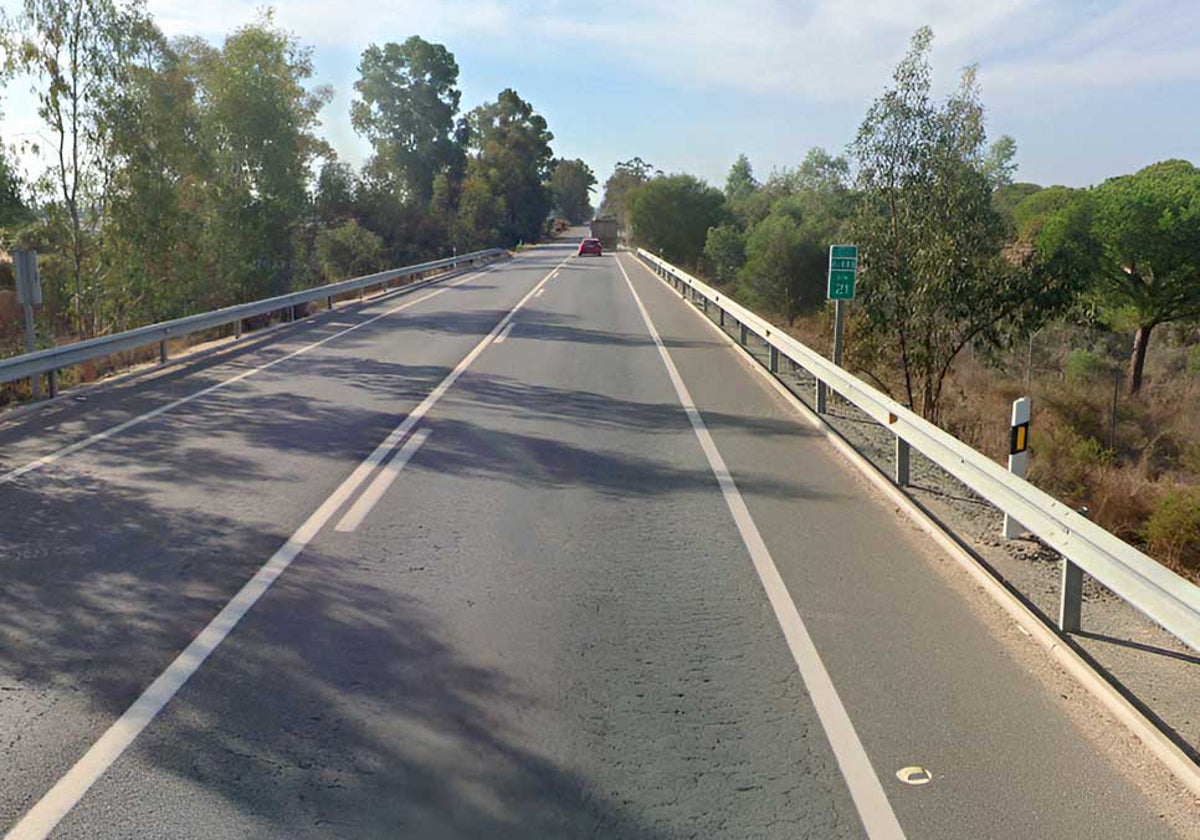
<point x="529" y="552"/>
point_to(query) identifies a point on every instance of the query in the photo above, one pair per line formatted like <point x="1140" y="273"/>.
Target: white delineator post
<point x="1018" y="455"/>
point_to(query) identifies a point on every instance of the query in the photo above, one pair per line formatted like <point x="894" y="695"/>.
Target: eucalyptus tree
<point x="934" y="279"/>
<point x="406" y="104"/>
<point x="571" y="184"/>
<point x="258" y="118"/>
<point x="77" y="54"/>
<point x="509" y="163"/>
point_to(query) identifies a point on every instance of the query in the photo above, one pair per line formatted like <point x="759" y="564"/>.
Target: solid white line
<point x="874" y="810"/>
<point x="371" y="496"/>
<point x="1026" y="622"/>
<point x="503" y="335"/>
<point x="41" y="819"/>
<point x="71" y="449"/>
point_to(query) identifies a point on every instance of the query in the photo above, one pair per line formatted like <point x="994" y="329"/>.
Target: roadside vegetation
<point x="182" y="175"/>
<point x="975" y="289"/>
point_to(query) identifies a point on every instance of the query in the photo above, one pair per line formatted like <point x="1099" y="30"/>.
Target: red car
<point x="590" y="246"/>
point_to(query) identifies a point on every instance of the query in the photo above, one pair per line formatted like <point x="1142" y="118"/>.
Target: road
<point x="530" y="552"/>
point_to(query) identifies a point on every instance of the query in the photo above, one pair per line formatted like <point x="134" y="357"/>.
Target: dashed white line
<point x="866" y="790"/>
<point x="504" y="333"/>
<point x="371" y="496"/>
<point x="48" y="811"/>
<point x="539" y="294"/>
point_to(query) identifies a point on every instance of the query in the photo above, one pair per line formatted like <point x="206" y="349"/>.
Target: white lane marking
<point x="48" y="811"/>
<point x="371" y="496"/>
<point x="539" y="294"/>
<point x="71" y="449"/>
<point x="555" y="274"/>
<point x="866" y="790"/>
<point x="504" y="334"/>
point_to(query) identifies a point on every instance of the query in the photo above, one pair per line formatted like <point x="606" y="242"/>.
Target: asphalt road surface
<point x="530" y="552"/>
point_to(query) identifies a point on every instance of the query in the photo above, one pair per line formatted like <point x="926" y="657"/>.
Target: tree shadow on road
<point x="336" y="709"/>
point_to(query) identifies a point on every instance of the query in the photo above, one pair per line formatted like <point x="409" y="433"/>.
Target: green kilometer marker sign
<point x="843" y="269"/>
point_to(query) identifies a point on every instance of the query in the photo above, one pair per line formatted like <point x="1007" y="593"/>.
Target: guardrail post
<point x="53" y="377"/>
<point x="773" y="359"/>
<point x="819" y="398"/>
<point x="903" y="461"/>
<point x="329" y="302"/>
<point x="162" y="352"/>
<point x="745" y="335"/>
<point x="722" y="317"/>
<point x="1070" y="608"/>
<point x="237" y="329"/>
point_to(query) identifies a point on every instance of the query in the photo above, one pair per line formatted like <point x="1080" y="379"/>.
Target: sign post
<point x="1018" y="455"/>
<point x="29" y="294"/>
<point x="843" y="272"/>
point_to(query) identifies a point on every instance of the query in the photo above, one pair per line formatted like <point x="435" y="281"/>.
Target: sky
<point x="1089" y="89"/>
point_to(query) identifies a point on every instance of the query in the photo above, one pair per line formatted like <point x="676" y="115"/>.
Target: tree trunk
<point x="1137" y="362"/>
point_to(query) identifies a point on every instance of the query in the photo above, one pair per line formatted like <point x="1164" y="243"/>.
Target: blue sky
<point x="1088" y="88"/>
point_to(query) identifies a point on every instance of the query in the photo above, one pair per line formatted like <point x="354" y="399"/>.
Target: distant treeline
<point x="185" y="176"/>
<point x="954" y="254"/>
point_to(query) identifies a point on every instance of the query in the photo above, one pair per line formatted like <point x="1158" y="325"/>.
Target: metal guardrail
<point x="54" y="359"/>
<point x="1163" y="596"/>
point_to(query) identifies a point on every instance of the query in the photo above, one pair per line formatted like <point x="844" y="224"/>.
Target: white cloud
<point x="822" y="50"/>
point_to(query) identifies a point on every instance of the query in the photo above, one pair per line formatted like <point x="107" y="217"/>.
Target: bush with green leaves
<point x="1173" y="530"/>
<point x="348" y="250"/>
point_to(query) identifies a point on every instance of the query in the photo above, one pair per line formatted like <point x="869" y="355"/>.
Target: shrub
<point x="1085" y="366"/>
<point x="1064" y="462"/>
<point x="348" y="251"/>
<point x="1173" y="530"/>
<point x="725" y="252"/>
<point x="1193" y="360"/>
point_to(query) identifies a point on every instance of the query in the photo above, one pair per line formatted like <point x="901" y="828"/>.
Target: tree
<point x="477" y="222"/>
<point x="348" y="250"/>
<point x="934" y="277"/>
<point x="512" y="154"/>
<point x="406" y="105"/>
<point x="1032" y="212"/>
<point x="998" y="165"/>
<point x="1148" y="228"/>
<point x="740" y="182"/>
<point x="725" y="251"/>
<point x="337" y="185"/>
<point x="13" y="209"/>
<point x="821" y="172"/>
<point x="671" y="215"/>
<point x="257" y="119"/>
<point x="774" y="269"/>
<point x="626" y="177"/>
<point x="153" y="217"/>
<point x="78" y="50"/>
<point x="571" y="183"/>
<point x="1008" y="197"/>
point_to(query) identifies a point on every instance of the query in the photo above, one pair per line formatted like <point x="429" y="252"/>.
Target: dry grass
<point x="1138" y="477"/>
